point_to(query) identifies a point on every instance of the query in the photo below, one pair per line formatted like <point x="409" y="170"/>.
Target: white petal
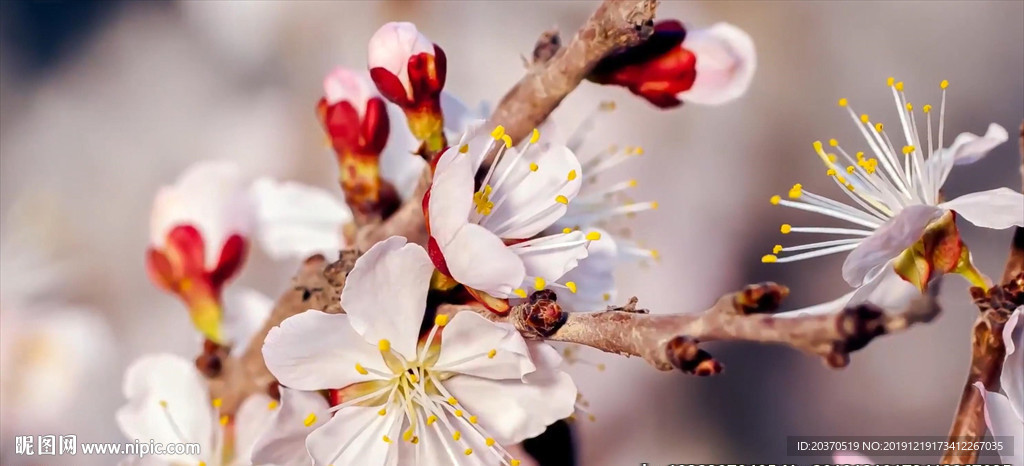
<point x="886" y="290"/>
<point x="553" y="256"/>
<point x="451" y="195"/>
<point x="887" y="242"/>
<point x="174" y="380"/>
<point x="315" y="350"/>
<point x="478" y="259"/>
<point x="297" y="221"/>
<point x="385" y="294"/>
<point x="252" y="418"/>
<point x="283" y="440"/>
<point x="471" y="336"/>
<point x="245" y="312"/>
<point x="1002" y="421"/>
<point x="399" y="164"/>
<point x="594" y="276"/>
<point x="353" y="436"/>
<point x="726" y="61"/>
<point x="966" y="148"/>
<point x="997" y="208"/>
<point x="210" y="195"/>
<point x="850" y="457"/>
<point x="532" y="197"/>
<point x="829" y="307"/>
<point x="511" y="410"/>
<point x="1012" y="378"/>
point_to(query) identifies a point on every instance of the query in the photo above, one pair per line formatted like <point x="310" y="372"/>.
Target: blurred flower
<point x="485" y="239"/>
<point x="902" y="221"/>
<point x="475" y="382"/>
<point x="1004" y="412"/>
<point x="201" y="226"/>
<point x="283" y="439"/>
<point x="169" y="402"/>
<point x="409" y="70"/>
<point x="707" y="66"/>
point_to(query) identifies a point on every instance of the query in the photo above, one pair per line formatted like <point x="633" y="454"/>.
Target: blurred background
<point x="104" y="102"/>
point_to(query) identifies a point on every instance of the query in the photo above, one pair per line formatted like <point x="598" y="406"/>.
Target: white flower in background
<point x="896" y="194"/>
<point x="486" y="238"/>
<point x="169" y="402"/>
<point x="296" y="220"/>
<point x="1004" y="412"/>
<point x="456" y="397"/>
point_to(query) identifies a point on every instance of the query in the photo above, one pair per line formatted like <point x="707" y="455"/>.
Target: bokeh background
<point x="104" y="102"/>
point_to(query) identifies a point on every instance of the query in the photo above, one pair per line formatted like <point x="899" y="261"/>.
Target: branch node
<point x="549" y="43"/>
<point x="684" y="354"/>
<point x="540" y="317"/>
<point x="761" y="298"/>
<point x="629" y="307"/>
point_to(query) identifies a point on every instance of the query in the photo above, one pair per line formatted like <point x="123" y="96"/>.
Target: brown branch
<point x="669" y="341"/>
<point x="614" y="25"/>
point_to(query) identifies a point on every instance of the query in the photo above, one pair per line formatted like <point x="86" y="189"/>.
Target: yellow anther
<point x="864" y="118"/>
<point x="654" y="205"/>
<point x="592" y="418"/>
<point x="832" y="158"/>
<point x="566" y="230"/>
<point x="535" y="136"/>
<point x="833" y="142"/>
<point x="561" y="199"/>
<point x="571" y="286"/>
<point x="890" y="81"/>
<point x="482" y="200"/>
<point x="360" y="369"/>
<point x="273" y="404"/>
<point x="309" y="420"/>
<point x="386" y="439"/>
<point x="910" y="108"/>
<point x="860" y="155"/>
<point x="944" y="84"/>
<point x="414" y="378"/>
<point x="519" y="292"/>
<point x="843" y="102"/>
<point x="415" y="440"/>
<point x="908" y="150"/>
<point x="899" y="86"/>
<point x="600" y="367"/>
<point x="607" y="105"/>
<point x="786" y="228"/>
<point x="508" y="140"/>
<point x="498" y="132"/>
<point x="469" y="451"/>
<point x="632" y="183"/>
<point x="593" y="236"/>
<point x="464" y="148"/>
<point x="796" y="191"/>
<point x="473" y="419"/>
<point x="768" y="258"/>
<point x="452" y="401"/>
<point x="514" y="462"/>
<point x="458" y="413"/>
<point x="383" y="412"/>
<point x="879" y="127"/>
<point x="840" y="179"/>
<point x="407" y="436"/>
<point x="926" y="109"/>
<point x="217" y="402"/>
<point x="850" y="169"/>
<point x="224" y="420"/>
<point x="775" y="199"/>
<point x="202" y="463"/>
<point x="533" y="167"/>
<point x="655" y="254"/>
<point x="572" y="175"/>
<point x="777" y="249"/>
<point x="606" y="297"/>
<point x="849" y="186"/>
<point x="492" y="353"/>
<point x="163" y="403"/>
<point x="457" y="435"/>
<point x="817" y="146"/>
<point x="638" y="150"/>
<point x="431" y="420"/>
<point x="441" y="320"/>
<point x="384" y="345"/>
<point x="539" y="283"/>
<point x="489" y="441"/>
<point x="831" y="172"/>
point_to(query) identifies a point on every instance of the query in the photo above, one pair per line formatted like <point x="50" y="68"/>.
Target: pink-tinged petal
<point x="998" y="209"/>
<point x="479" y="259"/>
<point x="252" y="417"/>
<point x="726" y="60"/>
<point x="468" y="339"/>
<point x="451" y="195"/>
<point x="353" y="436"/>
<point x="551" y="257"/>
<point x="385" y="294"/>
<point x="887" y="242"/>
<point x="209" y="195"/>
<point x="1003" y="421"/>
<point x="315" y="350"/>
<point x="345" y="84"/>
<point x="1012" y="378"/>
<point x="391" y="47"/>
<point x="527" y="201"/>
<point x="850" y="457"/>
<point x="594" y="277"/>
<point x="512" y="410"/>
<point x="283" y="439"/>
<point x="164" y="385"/>
<point x="245" y="312"/>
<point x="298" y="221"/>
